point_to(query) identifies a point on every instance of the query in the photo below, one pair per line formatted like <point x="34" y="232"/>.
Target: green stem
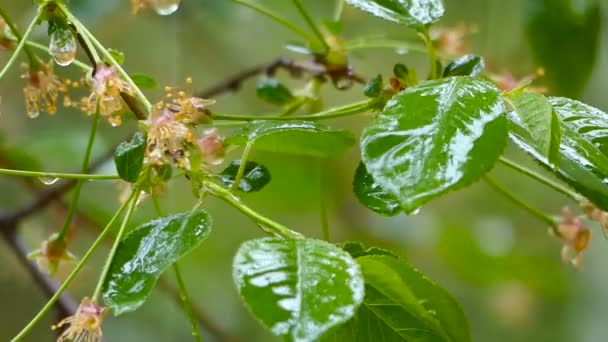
<point x="311" y="23"/>
<point x="51" y="175"/>
<point x="241" y="170"/>
<point x="351" y="109"/>
<point x="323" y="201"/>
<point x="225" y="195"/>
<point x="34" y="62"/>
<point x="339" y="10"/>
<point x="510" y="196"/>
<point x="379" y="42"/>
<point x="431" y="53"/>
<point x="49" y="305"/>
<point x="186" y="302"/>
<point x="125" y="221"/>
<point x="87" y="41"/>
<point x="85" y="166"/>
<point x="542" y="179"/>
<point x="262" y="10"/>
<point x="86" y="34"/>
<point x="21" y="45"/>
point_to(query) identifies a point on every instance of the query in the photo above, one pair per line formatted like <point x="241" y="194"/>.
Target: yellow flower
<point x="168" y="139"/>
<point x="85" y="325"/>
<point x="106" y="86"/>
<point x="41" y="90"/>
<point x="574" y="236"/>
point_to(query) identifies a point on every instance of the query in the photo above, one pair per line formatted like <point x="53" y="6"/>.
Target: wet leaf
<point x="564" y="37"/>
<point x="401" y="304"/>
<point x="145" y="254"/>
<point x="417" y="14"/>
<point x="298" y="289"/>
<point x="373" y="88"/>
<point x="434" y="138"/>
<point x="255" y="177"/>
<point x="468" y="65"/>
<point x="274" y="92"/>
<point x="371" y="195"/>
<point x="583" y="162"/>
<point x="129" y="158"/>
<point x="144" y="81"/>
<point x="295" y="137"/>
<point x="356" y="250"/>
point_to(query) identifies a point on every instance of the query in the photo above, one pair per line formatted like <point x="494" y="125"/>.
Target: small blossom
<point x="51" y="254"/>
<point x="574" y="236"/>
<point x="212" y="147"/>
<point x="41" y="90"/>
<point x="507" y="82"/>
<point x="106" y="86"/>
<point x="451" y="41"/>
<point x="168" y="139"/>
<point x="85" y="325"/>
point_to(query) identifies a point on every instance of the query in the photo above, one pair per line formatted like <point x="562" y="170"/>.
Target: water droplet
<point x="33" y="115"/>
<point x="63" y="47"/>
<point x="48" y="180"/>
<point x="165" y="7"/>
<point x="401" y="51"/>
<point x="415" y="212"/>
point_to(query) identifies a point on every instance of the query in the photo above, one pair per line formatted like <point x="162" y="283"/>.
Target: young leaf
<point x="371" y="194"/>
<point x="274" y="92"/>
<point x="583" y="162"/>
<point x="146" y="252"/>
<point x="118" y="56"/>
<point x="373" y="88"/>
<point x="434" y="138"/>
<point x="467" y="65"/>
<point x="567" y="61"/>
<point x="295" y="137"/>
<point x="401" y="304"/>
<point x="537" y="116"/>
<point x="129" y="158"/>
<point x="255" y="177"/>
<point x="298" y="288"/>
<point x="144" y="81"/>
<point x="417" y="14"/>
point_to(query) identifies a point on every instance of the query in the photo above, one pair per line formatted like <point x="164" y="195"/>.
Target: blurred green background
<point x="500" y="263"/>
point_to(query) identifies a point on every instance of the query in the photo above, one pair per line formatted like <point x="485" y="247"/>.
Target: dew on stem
<point x="48" y="180"/>
<point x="62" y="47"/>
<point x="165" y="7"/>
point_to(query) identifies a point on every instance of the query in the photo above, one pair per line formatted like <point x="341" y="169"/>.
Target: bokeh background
<point x="501" y="264"/>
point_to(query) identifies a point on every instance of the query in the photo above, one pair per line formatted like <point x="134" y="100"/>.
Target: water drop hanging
<point x="48" y="180"/>
<point x="63" y="47"/>
<point x="165" y="7"/>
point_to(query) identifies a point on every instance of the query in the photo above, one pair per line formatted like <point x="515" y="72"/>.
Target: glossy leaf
<point x="129" y="158"/>
<point x="295" y="137"/>
<point x="145" y="254"/>
<point x="434" y="138"/>
<point x="371" y="195"/>
<point x="298" y="288"/>
<point x="538" y="117"/>
<point x="583" y="162"/>
<point x="144" y="81"/>
<point x="255" y="177"/>
<point x="401" y="304"/>
<point x="373" y="88"/>
<point x="417" y="14"/>
<point x="468" y="65"/>
<point x="356" y="250"/>
<point x="564" y="39"/>
<point x="274" y="92"/>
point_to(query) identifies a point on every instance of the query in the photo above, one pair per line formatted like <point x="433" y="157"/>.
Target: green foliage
<point x="373" y="88"/>
<point x="295" y="137"/>
<point x="272" y="91"/>
<point x="467" y="65"/>
<point x="298" y="288"/>
<point x="434" y="138"/>
<point x="417" y="14"/>
<point x="146" y="252"/>
<point x="129" y="158"/>
<point x="144" y="81"/>
<point x="371" y="195"/>
<point x="564" y="37"/>
<point x="255" y="176"/>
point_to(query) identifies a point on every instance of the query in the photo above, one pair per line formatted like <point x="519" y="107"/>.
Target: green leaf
<point x="356" y="249"/>
<point x="144" y="81"/>
<point x="274" y="92"/>
<point x="147" y="252"/>
<point x="373" y="88"/>
<point x="467" y="65"/>
<point x="583" y="162"/>
<point x="298" y="288"/>
<point x="537" y="116"/>
<point x="371" y="195"/>
<point x="129" y="157"/>
<point x="417" y="14"/>
<point x="434" y="138"/>
<point x="118" y="56"/>
<point x="564" y="36"/>
<point x="255" y="177"/>
<point x="295" y="137"/>
<point x="401" y="304"/>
